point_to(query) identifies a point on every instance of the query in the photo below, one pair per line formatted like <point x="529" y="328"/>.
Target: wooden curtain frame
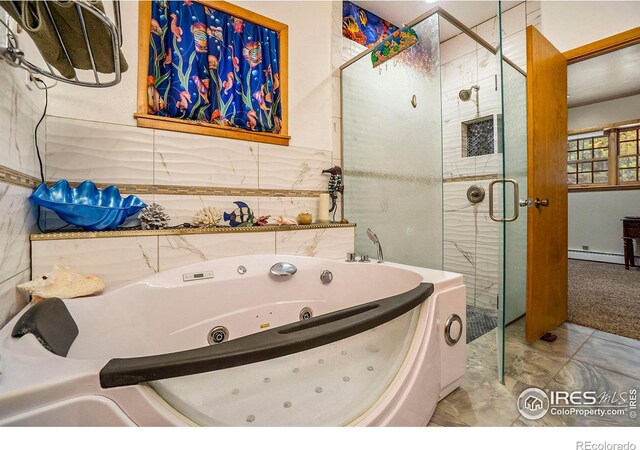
<point x="146" y="120"/>
<point x="591" y="50"/>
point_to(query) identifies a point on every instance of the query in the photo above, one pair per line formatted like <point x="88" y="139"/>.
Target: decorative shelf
<point x="78" y="234"/>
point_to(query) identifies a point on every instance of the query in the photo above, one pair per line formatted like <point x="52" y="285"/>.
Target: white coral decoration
<point x="153" y="217"/>
<point x="207" y="217"/>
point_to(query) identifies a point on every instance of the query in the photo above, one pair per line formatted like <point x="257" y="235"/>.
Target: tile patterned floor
<point x="580" y="358"/>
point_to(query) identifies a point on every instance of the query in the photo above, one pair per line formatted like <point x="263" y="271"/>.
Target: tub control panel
<point x="197" y="276"/>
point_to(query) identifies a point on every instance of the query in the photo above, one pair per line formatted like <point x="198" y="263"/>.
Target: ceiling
<point x="470" y="13"/>
<point x="607" y="77"/>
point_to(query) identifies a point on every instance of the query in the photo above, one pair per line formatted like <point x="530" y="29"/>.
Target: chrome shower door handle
<point x="516" y="201"/>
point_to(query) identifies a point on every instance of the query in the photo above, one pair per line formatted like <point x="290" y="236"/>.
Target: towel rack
<point x="15" y="56"/>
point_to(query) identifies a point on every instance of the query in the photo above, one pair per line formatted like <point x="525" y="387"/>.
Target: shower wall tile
<point x="459" y="257"/>
<point x="456" y="47"/>
<point x="293" y="167"/>
<point x="488" y="31"/>
<point x="534" y="13"/>
<point x="20" y="110"/>
<point x="332" y="243"/>
<point x="460" y="73"/>
<point x="514" y="20"/>
<point x="514" y="47"/>
<point x="79" y="150"/>
<point x="176" y="251"/>
<point x="194" y="160"/>
<point x="336" y="53"/>
<point x="336" y="141"/>
<point x="17" y="221"/>
<point x="335" y="89"/>
<point x="12" y="300"/>
<point x="116" y="260"/>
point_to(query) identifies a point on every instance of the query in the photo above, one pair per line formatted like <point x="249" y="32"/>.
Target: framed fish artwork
<point x="213" y="68"/>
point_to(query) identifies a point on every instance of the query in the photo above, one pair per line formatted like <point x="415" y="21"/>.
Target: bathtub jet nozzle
<point x="376" y="241"/>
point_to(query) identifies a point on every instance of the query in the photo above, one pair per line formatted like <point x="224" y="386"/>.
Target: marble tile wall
<point x="112" y="153"/>
<point x="472" y="241"/>
<point x="121" y="259"/>
<point x="20" y="110"/>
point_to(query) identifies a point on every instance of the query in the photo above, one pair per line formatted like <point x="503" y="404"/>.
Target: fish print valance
<point x="208" y="66"/>
<point x="363" y="26"/>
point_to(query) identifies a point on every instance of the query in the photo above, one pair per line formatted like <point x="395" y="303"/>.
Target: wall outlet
<point x="585" y="247"/>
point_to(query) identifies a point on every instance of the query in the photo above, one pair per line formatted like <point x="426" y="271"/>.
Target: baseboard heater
<point x="614" y="258"/>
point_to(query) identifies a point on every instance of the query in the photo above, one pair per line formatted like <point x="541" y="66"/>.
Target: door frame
<point x="593" y="49"/>
<point x="603" y="46"/>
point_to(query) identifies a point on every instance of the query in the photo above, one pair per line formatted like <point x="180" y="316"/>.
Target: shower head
<point x="372" y="236"/>
<point x="465" y="94"/>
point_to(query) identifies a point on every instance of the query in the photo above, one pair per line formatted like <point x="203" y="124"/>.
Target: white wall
<point x="570" y="24"/>
<point x="20" y="109"/>
<point x="310" y="98"/>
<point x="602" y="113"/>
<point x="594" y="217"/>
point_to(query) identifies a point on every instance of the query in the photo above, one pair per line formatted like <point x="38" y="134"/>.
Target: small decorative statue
<point x="263" y="221"/>
<point x="60" y="282"/>
<point x="242" y="216"/>
<point x="335" y="186"/>
<point x="207" y="217"/>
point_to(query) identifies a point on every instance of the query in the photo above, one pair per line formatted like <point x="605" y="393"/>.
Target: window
<point x="628" y="155"/>
<point x="604" y="159"/>
<point x="213" y="68"/>
<point x="587" y="161"/>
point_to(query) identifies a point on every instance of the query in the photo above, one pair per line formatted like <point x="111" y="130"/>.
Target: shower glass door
<point x="513" y="89"/>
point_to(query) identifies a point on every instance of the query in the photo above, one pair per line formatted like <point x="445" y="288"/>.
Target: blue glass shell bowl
<point x="87" y="206"/>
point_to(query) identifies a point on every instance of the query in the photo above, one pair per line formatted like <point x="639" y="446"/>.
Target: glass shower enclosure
<point x="434" y="151"/>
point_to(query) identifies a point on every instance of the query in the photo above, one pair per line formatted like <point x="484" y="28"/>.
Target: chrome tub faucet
<point x="376" y="241"/>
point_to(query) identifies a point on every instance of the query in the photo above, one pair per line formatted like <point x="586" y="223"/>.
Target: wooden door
<point x="547" y="237"/>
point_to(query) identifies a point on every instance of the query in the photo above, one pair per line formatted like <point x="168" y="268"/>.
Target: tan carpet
<point x="605" y="297"/>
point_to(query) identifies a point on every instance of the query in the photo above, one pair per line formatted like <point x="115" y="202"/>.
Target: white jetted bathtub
<point x="242" y="341"/>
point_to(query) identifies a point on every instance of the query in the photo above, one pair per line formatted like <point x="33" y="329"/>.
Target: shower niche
<point x="479" y="137"/>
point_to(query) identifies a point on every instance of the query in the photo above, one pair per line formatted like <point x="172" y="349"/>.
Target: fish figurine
<point x="203" y="87"/>
<point x="154" y="99"/>
<point x="184" y="101"/>
<point x="241" y="216"/>
<point x="62" y="283"/>
<point x="228" y="84"/>
<point x="175" y="29"/>
<point x="199" y="31"/>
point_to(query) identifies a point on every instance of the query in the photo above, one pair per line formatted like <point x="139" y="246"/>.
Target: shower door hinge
<point x="495" y="80"/>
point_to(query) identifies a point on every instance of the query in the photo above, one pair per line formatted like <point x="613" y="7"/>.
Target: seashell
<point x="207" y="217"/>
<point x="285" y="221"/>
<point x="62" y="283"/>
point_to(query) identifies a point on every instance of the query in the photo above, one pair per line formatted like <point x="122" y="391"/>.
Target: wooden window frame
<point x="146" y="120"/>
<point x="612" y="131"/>
<point x="593" y="49"/>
